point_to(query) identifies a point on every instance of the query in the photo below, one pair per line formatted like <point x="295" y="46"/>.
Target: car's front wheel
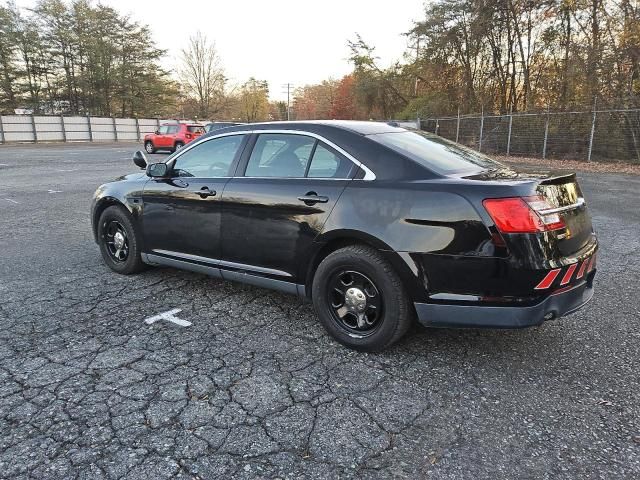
<point x="360" y="299"/>
<point x="148" y="146"/>
<point x="119" y="241"/>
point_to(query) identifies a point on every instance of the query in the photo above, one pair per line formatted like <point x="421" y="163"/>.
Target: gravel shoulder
<point x="575" y="165"/>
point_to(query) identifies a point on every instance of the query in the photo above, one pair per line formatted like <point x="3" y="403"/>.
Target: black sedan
<point x="377" y="225"/>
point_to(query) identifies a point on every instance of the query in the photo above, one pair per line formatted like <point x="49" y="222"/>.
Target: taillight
<point x="523" y="214"/>
<point x="187" y="135"/>
<point x="545" y="210"/>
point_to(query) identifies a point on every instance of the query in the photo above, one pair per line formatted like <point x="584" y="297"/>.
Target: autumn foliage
<point x="344" y="104"/>
<point x="493" y="56"/>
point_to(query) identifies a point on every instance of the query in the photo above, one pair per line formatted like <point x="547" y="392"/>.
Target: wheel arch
<point x="333" y="241"/>
<point x="101" y="205"/>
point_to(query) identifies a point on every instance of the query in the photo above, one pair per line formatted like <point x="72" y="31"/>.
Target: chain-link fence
<point x="601" y="135"/>
<point x="59" y="128"/>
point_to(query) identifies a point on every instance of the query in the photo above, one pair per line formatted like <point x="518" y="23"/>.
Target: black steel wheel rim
<point x="116" y="241"/>
<point x="355" y="302"/>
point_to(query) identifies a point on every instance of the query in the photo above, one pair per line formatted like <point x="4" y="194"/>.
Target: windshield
<point x="436" y="153"/>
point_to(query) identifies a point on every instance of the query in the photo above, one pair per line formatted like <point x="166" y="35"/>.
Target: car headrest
<point x="286" y="164"/>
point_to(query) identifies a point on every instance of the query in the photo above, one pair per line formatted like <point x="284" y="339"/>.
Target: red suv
<point x="172" y="136"/>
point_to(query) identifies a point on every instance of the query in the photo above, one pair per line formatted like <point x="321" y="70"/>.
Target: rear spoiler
<point x="558" y="178"/>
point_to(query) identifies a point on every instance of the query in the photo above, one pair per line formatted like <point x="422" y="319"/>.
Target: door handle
<point x="312" y="198"/>
<point x="206" y="192"/>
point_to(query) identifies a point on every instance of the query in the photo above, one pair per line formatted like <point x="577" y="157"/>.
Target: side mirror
<point x="140" y="160"/>
<point x="156" y="132"/>
<point x="157" y="170"/>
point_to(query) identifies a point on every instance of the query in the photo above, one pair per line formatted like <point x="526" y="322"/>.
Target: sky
<point x="281" y="41"/>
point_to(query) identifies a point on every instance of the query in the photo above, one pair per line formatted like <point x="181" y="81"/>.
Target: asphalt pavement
<point x="254" y="387"/>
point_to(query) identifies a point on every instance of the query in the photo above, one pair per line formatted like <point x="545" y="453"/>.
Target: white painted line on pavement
<point x="54" y="191"/>
<point x="12" y="201"/>
<point x="169" y="316"/>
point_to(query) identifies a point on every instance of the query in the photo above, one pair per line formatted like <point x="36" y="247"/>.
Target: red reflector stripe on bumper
<point x="548" y="280"/>
<point x="567" y="276"/>
<point x="583" y="267"/>
<point x="592" y="263"/>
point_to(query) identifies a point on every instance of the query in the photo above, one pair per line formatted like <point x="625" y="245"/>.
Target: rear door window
<point x="327" y="163"/>
<point x="195" y="129"/>
<point x="280" y="155"/>
<point x="171" y="129"/>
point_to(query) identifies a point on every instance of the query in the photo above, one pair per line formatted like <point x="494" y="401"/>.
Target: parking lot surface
<point x="254" y="388"/>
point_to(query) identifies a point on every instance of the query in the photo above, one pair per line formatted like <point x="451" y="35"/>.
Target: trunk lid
<point x="565" y="196"/>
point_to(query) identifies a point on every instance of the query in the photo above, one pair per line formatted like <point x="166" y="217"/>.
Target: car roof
<point x="352" y="137"/>
<point x="355" y="126"/>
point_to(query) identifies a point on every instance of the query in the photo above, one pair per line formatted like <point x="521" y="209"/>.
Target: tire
<point x="148" y="147"/>
<point x="388" y="307"/>
<point x="121" y="257"/>
<point x="178" y="146"/>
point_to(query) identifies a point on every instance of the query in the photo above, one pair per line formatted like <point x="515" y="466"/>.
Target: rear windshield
<point x="436" y="153"/>
<point x="195" y="129"/>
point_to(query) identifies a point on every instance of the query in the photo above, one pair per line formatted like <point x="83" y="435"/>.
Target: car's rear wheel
<point x="119" y="241"/>
<point x="148" y="146"/>
<point x="178" y="146"/>
<point x="360" y="299"/>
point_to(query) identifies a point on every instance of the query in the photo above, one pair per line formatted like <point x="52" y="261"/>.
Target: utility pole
<point x="289" y="87"/>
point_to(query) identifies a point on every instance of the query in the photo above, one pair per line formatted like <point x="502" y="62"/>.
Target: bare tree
<point x="202" y="75"/>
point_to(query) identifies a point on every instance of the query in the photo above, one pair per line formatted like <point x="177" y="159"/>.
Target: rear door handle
<point x="312" y="198"/>
<point x="206" y="192"/>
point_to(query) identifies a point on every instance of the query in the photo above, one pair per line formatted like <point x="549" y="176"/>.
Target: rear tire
<point x="360" y="299"/>
<point x="178" y="146"/>
<point x="119" y="241"/>
<point x="148" y="146"/>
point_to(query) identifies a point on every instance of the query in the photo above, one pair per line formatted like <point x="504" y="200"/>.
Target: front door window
<point x="212" y="158"/>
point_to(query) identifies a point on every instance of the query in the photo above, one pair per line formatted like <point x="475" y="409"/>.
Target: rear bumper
<point x="480" y="316"/>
